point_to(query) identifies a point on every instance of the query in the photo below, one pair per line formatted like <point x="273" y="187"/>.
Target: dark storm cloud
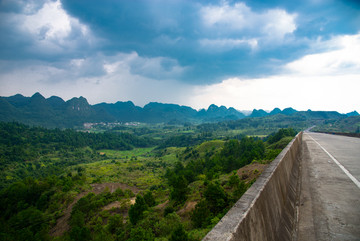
<point x="28" y="33"/>
<point x="208" y="40"/>
<point x="190" y="52"/>
<point x="175" y="29"/>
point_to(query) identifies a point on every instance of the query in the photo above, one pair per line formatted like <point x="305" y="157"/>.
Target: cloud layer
<point x="186" y="52"/>
<point x="322" y="81"/>
<point x="239" y="21"/>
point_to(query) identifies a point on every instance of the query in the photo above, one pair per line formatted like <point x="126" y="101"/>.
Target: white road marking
<point x="357" y="183"/>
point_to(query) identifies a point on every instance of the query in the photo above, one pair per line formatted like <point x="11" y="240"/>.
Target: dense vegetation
<point x="117" y="179"/>
<point x="173" y="182"/>
<point x="347" y="125"/>
<point x="54" y="112"/>
<point x="39" y="152"/>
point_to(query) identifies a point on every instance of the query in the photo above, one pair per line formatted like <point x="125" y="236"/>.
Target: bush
<point x="139" y="233"/>
<point x="168" y="210"/>
<point x="115" y="223"/>
<point x="201" y="215"/>
<point x="234" y="180"/>
<point x="179" y="190"/>
<point x="80" y="234"/>
<point x="179" y="234"/>
<point x="275" y="137"/>
<point x="167" y="225"/>
<point x="282" y="143"/>
<point x="118" y="193"/>
<point x="77" y="219"/>
<point x="136" y="211"/>
<point x="31" y="218"/>
<point x="239" y="191"/>
<point x="216" y="198"/>
<point x="149" y="199"/>
<point x="272" y="154"/>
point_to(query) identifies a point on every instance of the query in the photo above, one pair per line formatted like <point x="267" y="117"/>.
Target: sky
<point x="242" y="54"/>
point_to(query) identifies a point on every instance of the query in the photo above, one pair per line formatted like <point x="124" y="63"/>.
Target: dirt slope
<point x="62" y="224"/>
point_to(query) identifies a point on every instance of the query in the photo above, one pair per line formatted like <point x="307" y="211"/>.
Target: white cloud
<point x="277" y="23"/>
<point x="50" y="22"/>
<point x="303" y="85"/>
<point x="302" y="93"/>
<point x="341" y="57"/>
<point x="223" y="22"/>
<point x="118" y="86"/>
<point x="156" y="68"/>
<point x="100" y="78"/>
<point x="326" y="80"/>
<point x="232" y="17"/>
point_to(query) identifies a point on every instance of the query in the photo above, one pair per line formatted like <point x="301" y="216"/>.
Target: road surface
<point x="329" y="202"/>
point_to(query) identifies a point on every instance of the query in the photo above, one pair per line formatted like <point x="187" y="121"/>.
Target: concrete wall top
<point x="266" y="210"/>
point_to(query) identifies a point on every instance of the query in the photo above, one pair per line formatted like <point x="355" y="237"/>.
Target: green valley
<point x="142" y="182"/>
<point x="138" y="180"/>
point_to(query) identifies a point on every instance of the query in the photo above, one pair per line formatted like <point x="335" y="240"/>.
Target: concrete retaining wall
<point x="267" y="211"/>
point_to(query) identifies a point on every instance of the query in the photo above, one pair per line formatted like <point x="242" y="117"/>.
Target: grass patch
<point x="126" y="154"/>
<point x="210" y="145"/>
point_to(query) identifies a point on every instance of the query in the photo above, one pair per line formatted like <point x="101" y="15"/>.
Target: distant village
<point x="109" y="124"/>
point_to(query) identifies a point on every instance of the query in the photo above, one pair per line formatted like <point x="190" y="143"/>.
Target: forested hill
<point x="55" y="112"/>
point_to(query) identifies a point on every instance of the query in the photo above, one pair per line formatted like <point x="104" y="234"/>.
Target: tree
<point x="216" y="198"/>
<point x="139" y="233"/>
<point x="115" y="223"/>
<point x="30" y="218"/>
<point x="201" y="215"/>
<point x="167" y="225"/>
<point x="234" y="180"/>
<point x="80" y="233"/>
<point x="179" y="190"/>
<point x="136" y="211"/>
<point x="274" y="137"/>
<point x="236" y="154"/>
<point x="241" y="188"/>
<point x="77" y="219"/>
<point x="149" y="199"/>
<point x="179" y="234"/>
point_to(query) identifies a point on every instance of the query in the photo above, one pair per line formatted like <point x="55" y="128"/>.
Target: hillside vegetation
<point x="125" y="183"/>
<point x="347" y="125"/>
<point x="54" y="112"/>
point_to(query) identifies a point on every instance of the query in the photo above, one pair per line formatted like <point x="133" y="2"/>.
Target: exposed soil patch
<point x="118" y="204"/>
<point x="162" y="205"/>
<point x="62" y="224"/>
<point x="188" y="207"/>
<point x="98" y="188"/>
<point x="251" y="171"/>
<point x="120" y="207"/>
<point x="115" y="204"/>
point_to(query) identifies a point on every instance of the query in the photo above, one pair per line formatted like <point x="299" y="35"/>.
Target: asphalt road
<point x="329" y="201"/>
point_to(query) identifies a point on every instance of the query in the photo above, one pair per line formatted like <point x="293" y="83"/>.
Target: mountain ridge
<point x="55" y="112"/>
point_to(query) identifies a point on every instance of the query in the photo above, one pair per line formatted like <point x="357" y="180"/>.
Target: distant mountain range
<point x="55" y="112"/>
